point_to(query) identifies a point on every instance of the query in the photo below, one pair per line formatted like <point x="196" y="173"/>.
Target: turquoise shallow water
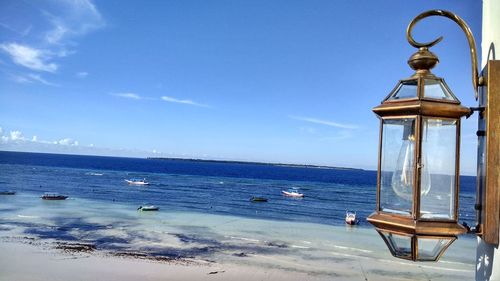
<point x="289" y="245"/>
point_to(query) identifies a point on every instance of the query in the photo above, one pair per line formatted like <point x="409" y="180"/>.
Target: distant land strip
<point x="256" y="163"/>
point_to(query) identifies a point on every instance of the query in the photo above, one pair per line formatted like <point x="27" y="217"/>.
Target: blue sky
<point x="274" y="81"/>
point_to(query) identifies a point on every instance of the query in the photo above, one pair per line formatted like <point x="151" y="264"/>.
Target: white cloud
<point x="127" y="96"/>
<point x="29" y="57"/>
<point x="38" y="78"/>
<point x="324" y="122"/>
<point x="21" y="79"/>
<point x="72" y="18"/>
<point x="82" y="74"/>
<point x="19" y="32"/>
<point x="30" y="78"/>
<point x="188" y="102"/>
<point x="57" y="33"/>
<point x="68" y="141"/>
<point x="61" y="22"/>
<point x="16" y="136"/>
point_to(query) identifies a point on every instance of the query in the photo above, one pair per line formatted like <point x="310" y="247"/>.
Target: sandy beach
<point x="24" y="262"/>
<point x="26" y="259"/>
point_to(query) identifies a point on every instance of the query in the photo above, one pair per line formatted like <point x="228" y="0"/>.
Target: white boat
<point x="292" y="192"/>
<point x="148" y="208"/>
<point x="350" y="218"/>
<point x="137" y="181"/>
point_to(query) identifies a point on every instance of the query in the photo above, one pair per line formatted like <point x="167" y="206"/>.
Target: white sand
<point x="23" y="262"/>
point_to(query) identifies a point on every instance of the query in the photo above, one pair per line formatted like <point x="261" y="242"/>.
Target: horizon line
<point x="198" y="159"/>
<point x="214" y="160"/>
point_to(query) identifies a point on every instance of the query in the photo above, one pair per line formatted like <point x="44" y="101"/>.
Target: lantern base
<point x="416" y="240"/>
<point x="416" y="247"/>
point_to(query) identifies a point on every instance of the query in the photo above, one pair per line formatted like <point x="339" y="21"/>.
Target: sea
<point x="206" y="212"/>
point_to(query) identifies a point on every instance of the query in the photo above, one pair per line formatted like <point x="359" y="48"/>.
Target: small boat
<point x="7" y="192"/>
<point x="137" y="181"/>
<point x="53" y="196"/>
<point x="350" y="218"/>
<point x="292" y="192"/>
<point x="148" y="208"/>
<point x="258" y="199"/>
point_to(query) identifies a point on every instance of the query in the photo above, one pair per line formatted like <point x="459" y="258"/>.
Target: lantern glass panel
<point x="399" y="245"/>
<point x="435" y="89"/>
<point x="429" y="249"/>
<point x="404" y="90"/>
<point x="438" y="169"/>
<point x="397" y="166"/>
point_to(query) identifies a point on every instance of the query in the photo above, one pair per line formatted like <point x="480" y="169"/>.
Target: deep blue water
<point x="208" y="187"/>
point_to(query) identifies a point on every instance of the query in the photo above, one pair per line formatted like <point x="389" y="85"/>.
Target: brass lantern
<point x="418" y="169"/>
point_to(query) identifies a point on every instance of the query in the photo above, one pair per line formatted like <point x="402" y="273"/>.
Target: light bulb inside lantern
<point x="402" y="178"/>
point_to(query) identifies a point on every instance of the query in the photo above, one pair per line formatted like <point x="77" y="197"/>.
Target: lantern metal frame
<point x="414" y="225"/>
<point x="487" y="88"/>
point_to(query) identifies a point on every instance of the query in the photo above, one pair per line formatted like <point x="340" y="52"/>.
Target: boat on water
<point x="53" y="196"/>
<point x="350" y="218"/>
<point x="258" y="199"/>
<point x="137" y="181"/>
<point x="148" y="208"/>
<point x="7" y="192"/>
<point x="292" y="192"/>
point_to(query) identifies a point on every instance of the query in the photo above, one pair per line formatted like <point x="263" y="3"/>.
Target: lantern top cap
<point x="423" y="61"/>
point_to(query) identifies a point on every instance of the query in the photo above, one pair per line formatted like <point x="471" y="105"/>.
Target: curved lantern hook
<point x="465" y="28"/>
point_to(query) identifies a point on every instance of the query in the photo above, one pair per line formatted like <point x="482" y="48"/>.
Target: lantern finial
<point x="423" y="60"/>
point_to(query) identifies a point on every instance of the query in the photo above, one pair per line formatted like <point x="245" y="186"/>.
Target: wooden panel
<point x="489" y="154"/>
